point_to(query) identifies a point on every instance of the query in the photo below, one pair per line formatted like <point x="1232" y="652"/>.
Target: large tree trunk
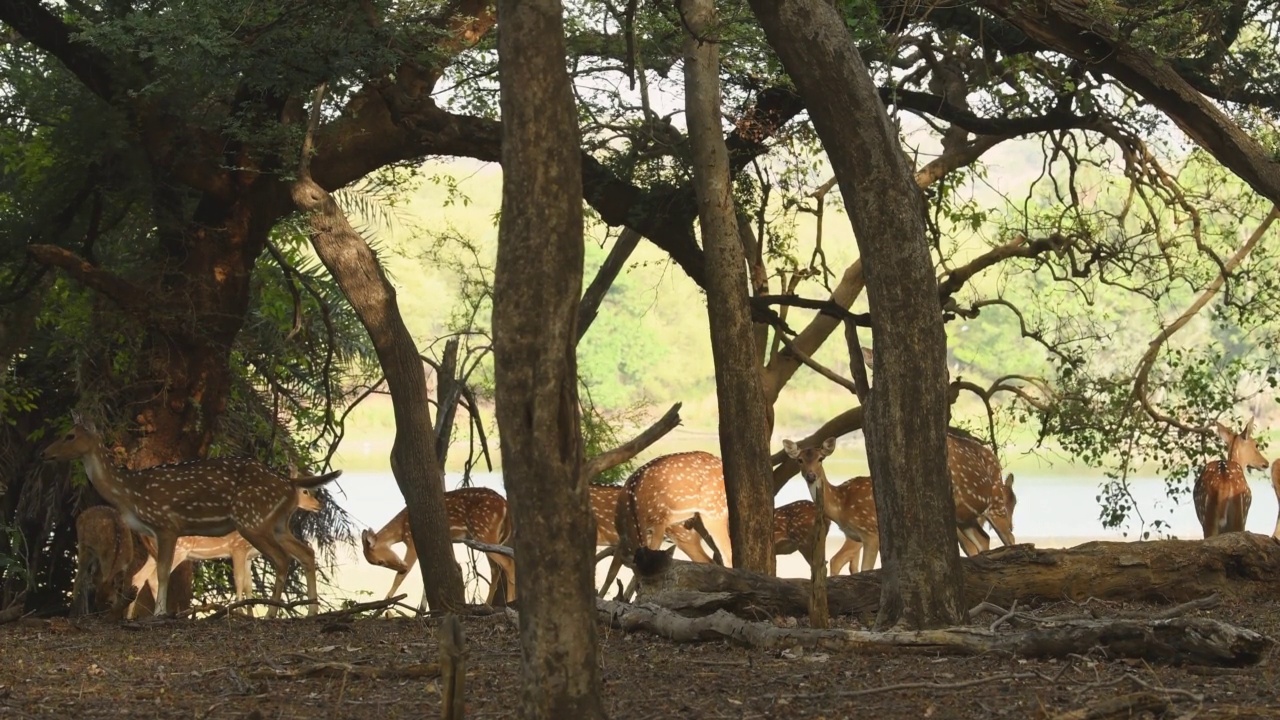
<point x="1239" y="566"/>
<point x="907" y="410"/>
<point x="537" y="285"/>
<point x="744" y="414"/>
<point x="413" y="457"/>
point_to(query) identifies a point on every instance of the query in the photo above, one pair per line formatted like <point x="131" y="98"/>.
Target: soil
<point x="235" y="667"/>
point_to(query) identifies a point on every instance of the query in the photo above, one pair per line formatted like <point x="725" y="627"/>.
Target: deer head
<point x="381" y="554"/>
<point x="810" y="460"/>
<point x="1242" y="449"/>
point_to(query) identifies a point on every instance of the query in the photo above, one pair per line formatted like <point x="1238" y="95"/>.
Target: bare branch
<point x="626" y="451"/>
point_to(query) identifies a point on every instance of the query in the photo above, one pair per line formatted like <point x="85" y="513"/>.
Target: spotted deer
<point x="104" y="552"/>
<point x="604" y="507"/>
<point x="1221" y="494"/>
<point x="476" y="513"/>
<point x="851" y="505"/>
<point x="209" y="498"/>
<point x="793" y="529"/>
<point x="665" y="491"/>
<point x="232" y="545"/>
<point x="979" y="492"/>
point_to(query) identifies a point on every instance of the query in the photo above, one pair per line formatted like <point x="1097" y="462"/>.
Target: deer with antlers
<point x="476" y="513"/>
<point x="210" y="498"/>
<point x="671" y="490"/>
<point x="1221" y="493"/>
<point x="232" y="546"/>
<point x="104" y="552"/>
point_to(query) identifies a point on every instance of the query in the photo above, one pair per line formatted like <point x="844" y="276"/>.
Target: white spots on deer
<point x="672" y="489"/>
<point x="200" y="497"/>
<point x="1221" y="494"/>
<point x="478" y="514"/>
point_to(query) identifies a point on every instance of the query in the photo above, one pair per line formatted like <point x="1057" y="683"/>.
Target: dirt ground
<point x="300" y="668"/>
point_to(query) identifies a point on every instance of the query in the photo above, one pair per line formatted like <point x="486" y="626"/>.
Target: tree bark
<point x="1239" y="566"/>
<point x="907" y="411"/>
<point x="745" y="417"/>
<point x="355" y="267"/>
<point x="537" y="286"/>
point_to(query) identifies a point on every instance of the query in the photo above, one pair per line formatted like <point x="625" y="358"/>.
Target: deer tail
<point x="316" y="480"/>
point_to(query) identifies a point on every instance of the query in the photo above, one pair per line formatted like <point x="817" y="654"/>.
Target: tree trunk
<point x="537" y="286"/>
<point x="413" y="457"/>
<point x="1240" y="566"/>
<point x="744" y="415"/>
<point x="907" y="411"/>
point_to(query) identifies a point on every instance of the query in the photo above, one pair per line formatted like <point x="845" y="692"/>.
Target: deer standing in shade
<point x="209" y="497"/>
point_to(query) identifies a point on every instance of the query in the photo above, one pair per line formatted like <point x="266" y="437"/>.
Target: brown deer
<point x="104" y="552"/>
<point x="477" y="513"/>
<point x="793" y="532"/>
<point x="851" y="505"/>
<point x="1221" y="494"/>
<point x="604" y="507"/>
<point x="665" y="491"/>
<point x="979" y="492"/>
<point x="200" y="497"/>
<point x="232" y="545"/>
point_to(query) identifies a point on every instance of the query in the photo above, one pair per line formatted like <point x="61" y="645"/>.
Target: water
<point x="1054" y="510"/>
<point x="1055" y="506"/>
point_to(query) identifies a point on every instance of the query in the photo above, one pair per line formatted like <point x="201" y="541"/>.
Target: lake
<point x="1054" y="510"/>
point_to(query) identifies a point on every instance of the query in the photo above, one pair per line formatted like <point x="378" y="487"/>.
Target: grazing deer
<point x="1221" y="494"/>
<point x="666" y="491"/>
<point x="232" y="545"/>
<point x="979" y="493"/>
<point x="104" y="552"/>
<point x="604" y="507"/>
<point x="476" y="513"/>
<point x="851" y="505"/>
<point x="200" y="497"/>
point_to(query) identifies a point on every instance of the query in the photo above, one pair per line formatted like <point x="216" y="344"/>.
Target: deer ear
<point x="1224" y="432"/>
<point x="1008" y="480"/>
<point x="792" y="449"/>
<point x="1248" y="429"/>
<point x="828" y="446"/>
<point x="868" y="357"/>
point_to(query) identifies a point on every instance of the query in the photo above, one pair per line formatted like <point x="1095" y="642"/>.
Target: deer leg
<point x="685" y="536"/>
<point x="870" y="549"/>
<point x="165" y="546"/>
<point x="718" y="527"/>
<point x="973" y="539"/>
<point x="501" y="564"/>
<point x="846" y="555"/>
<point x="307" y="557"/>
<point x="267" y="544"/>
<point x="410" y="559"/>
<point x="85" y="571"/>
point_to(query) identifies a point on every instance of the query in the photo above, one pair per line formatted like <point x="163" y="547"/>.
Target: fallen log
<point x="1235" y="566"/>
<point x="1178" y="641"/>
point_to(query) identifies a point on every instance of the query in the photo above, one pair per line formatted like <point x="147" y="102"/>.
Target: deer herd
<point x="240" y="508"/>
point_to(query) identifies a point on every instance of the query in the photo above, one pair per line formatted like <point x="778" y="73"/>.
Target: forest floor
<point x="383" y="668"/>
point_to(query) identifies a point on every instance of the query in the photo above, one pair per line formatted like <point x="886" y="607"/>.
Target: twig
<point x="361" y="607"/>
<point x="925" y="685"/>
<point x="486" y="547"/>
<point x="1013" y="612"/>
<point x="224" y="609"/>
